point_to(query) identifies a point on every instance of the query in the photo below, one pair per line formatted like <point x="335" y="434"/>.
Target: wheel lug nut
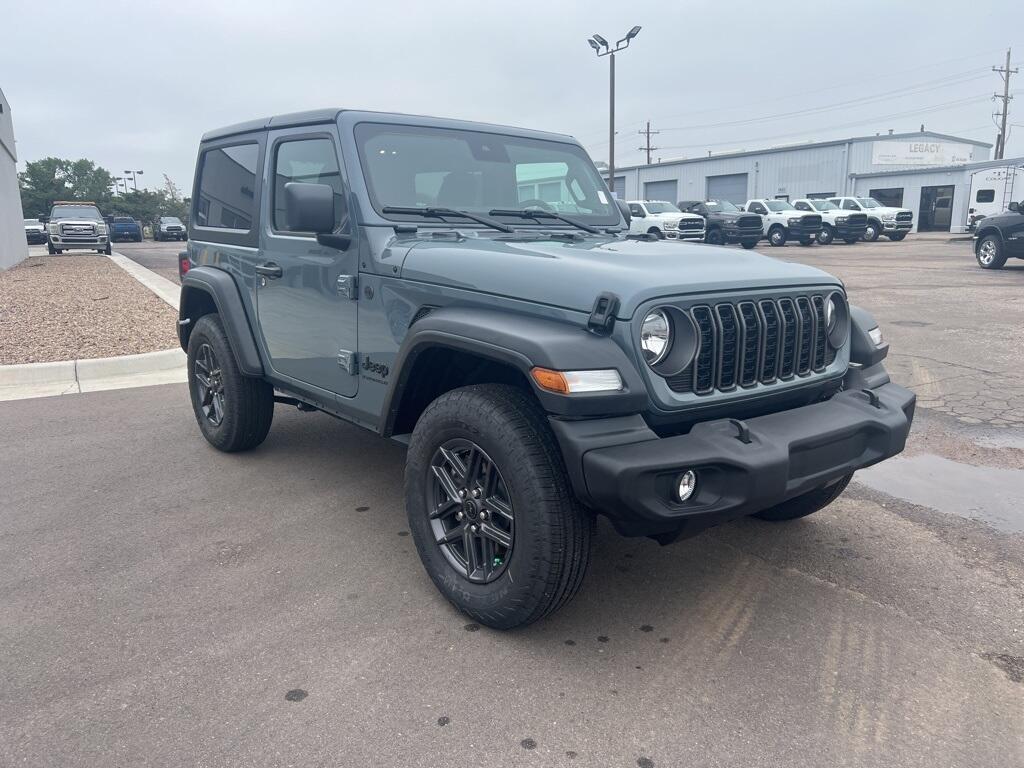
<point x="483" y="514"/>
<point x="458" y="515"/>
<point x="462" y="493"/>
<point x="476" y="493"/>
<point x="473" y="528"/>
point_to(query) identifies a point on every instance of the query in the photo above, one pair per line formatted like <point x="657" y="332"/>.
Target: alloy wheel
<point x="209" y="385"/>
<point x="987" y="253"/>
<point x="470" y="511"/>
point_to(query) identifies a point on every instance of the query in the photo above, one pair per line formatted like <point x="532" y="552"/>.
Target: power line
<point x="647" y="147"/>
<point x="1004" y="73"/>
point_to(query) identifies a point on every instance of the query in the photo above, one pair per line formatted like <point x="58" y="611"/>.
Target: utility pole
<point x="647" y="147"/>
<point x="1004" y="72"/>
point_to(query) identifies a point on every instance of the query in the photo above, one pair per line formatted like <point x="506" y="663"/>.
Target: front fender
<point x="199" y="286"/>
<point x="522" y="342"/>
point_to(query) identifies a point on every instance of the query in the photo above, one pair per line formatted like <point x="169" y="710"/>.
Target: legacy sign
<point x="919" y="152"/>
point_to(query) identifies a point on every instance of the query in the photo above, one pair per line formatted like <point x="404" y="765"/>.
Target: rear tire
<point x="548" y="533"/>
<point x="234" y="412"/>
<point x="827" y="234"/>
<point x="872" y="232"/>
<point x="807" y="504"/>
<point x="990" y="253"/>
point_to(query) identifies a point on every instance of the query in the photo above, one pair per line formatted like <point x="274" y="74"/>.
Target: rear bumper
<point x="628" y="473"/>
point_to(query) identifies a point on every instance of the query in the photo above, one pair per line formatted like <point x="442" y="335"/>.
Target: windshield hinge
<point x="602" y="316"/>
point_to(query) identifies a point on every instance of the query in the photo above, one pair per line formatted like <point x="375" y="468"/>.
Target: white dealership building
<point x="929" y="173"/>
<point x="12" y="228"/>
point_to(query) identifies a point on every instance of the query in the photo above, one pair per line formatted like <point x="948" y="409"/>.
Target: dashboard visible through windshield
<point x="421" y="167"/>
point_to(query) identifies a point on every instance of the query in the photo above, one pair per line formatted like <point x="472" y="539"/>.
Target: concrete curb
<point x="68" y="377"/>
<point x="166" y="289"/>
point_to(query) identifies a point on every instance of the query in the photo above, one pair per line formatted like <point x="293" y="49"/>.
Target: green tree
<point x="54" y="178"/>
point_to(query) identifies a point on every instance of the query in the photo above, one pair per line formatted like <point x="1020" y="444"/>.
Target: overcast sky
<point x="135" y="84"/>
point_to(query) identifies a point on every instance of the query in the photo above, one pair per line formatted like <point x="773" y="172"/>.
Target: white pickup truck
<point x="835" y="222"/>
<point x="894" y="223"/>
<point x="664" y="220"/>
<point x="783" y="222"/>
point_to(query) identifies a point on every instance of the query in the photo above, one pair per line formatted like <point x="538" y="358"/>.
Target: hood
<point x="731" y="215"/>
<point x="36" y="225"/>
<point x="572" y="274"/>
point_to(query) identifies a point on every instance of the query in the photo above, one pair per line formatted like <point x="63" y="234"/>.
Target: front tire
<point x="827" y="234"/>
<point x="805" y="241"/>
<point x="897" y="236"/>
<point x="872" y="232"/>
<point x="990" y="253"/>
<point x="777" y="236"/>
<point x="108" y="250"/>
<point x="850" y="240"/>
<point x="748" y="244"/>
<point x="807" y="504"/>
<point x="714" y="237"/>
<point x="234" y="412"/>
<point x="50" y="249"/>
<point x="656" y="232"/>
<point x="490" y="507"/>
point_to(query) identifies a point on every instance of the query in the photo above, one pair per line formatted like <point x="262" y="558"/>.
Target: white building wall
<point x="912" y="182"/>
<point x="12" y="228"/>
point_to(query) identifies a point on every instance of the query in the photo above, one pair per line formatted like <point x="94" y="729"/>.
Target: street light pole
<point x="134" y="182"/>
<point x="602" y="48"/>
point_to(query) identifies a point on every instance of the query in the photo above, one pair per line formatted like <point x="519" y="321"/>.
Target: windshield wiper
<point x="441" y="213"/>
<point x="540" y="213"/>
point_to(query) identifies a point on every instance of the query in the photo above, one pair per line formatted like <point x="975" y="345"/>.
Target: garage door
<point x="620" y="186"/>
<point x="732" y="188"/>
<point x="661" y="190"/>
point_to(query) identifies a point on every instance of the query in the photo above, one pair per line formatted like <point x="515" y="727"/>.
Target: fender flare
<point x="221" y="288"/>
<point x="522" y="342"/>
<point x="862" y="350"/>
<point x="981" y="234"/>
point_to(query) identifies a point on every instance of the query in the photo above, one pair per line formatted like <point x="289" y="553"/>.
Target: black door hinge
<point x="602" y="316"/>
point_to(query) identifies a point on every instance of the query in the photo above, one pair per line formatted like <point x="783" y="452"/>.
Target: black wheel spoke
<point x="453" y="535"/>
<point x="495" y="534"/>
<point x="494" y="504"/>
<point x="446" y="507"/>
<point x="209" y="385"/>
<point x="472" y="561"/>
<point x="460" y="468"/>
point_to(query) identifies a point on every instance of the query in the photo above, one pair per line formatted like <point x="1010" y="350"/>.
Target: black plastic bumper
<point x="737" y="235"/>
<point x="844" y="231"/>
<point x="629" y="474"/>
<point x="796" y="231"/>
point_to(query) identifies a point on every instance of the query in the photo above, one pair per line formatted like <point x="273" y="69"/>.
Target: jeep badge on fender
<point x="472" y="291"/>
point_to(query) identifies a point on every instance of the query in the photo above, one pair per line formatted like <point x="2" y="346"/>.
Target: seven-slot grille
<point x="750" y="342"/>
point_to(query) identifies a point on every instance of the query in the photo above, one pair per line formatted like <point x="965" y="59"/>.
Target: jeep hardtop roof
<point x="323" y="116"/>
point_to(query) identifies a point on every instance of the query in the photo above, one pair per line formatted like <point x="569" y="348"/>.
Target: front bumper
<point x="738" y="234"/>
<point x="625" y="471"/>
<point x="897" y="226"/>
<point x="684" y="234"/>
<point x="796" y="231"/>
<point x="78" y="241"/>
<point x="850" y="230"/>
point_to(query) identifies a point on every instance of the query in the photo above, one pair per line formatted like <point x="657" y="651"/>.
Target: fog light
<point x="686" y="485"/>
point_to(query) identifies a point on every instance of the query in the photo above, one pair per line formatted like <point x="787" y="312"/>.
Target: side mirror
<point x="1015" y="207"/>
<point x="310" y="208"/>
<point x="624" y="210"/>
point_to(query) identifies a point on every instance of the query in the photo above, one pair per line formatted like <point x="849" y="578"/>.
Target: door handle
<point x="270" y="269"/>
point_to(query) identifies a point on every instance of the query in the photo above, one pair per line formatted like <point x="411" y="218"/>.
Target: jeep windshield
<point x="721" y="206"/>
<point x="659" y="207"/>
<point x="75" y="212"/>
<point x="409" y="166"/>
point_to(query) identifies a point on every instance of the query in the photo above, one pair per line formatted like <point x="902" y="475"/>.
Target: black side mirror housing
<point x="1015" y="207"/>
<point x="310" y="208"/>
<point x="624" y="210"/>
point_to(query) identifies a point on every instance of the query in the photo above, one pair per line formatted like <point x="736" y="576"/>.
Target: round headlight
<point x="655" y="336"/>
<point x="837" y="319"/>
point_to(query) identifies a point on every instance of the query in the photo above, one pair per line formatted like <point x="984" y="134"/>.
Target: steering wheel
<point x="535" y="203"/>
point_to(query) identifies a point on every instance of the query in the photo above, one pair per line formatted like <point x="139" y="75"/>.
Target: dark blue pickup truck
<point x="125" y="228"/>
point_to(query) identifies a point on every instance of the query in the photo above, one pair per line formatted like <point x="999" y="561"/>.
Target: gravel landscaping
<point x="78" y="306"/>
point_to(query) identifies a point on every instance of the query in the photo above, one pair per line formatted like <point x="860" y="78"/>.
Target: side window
<point x="850" y="205"/>
<point x="635" y="210"/>
<point x="311" y="161"/>
<point x="757" y="208"/>
<point x="227" y="187"/>
<point x="985" y="196"/>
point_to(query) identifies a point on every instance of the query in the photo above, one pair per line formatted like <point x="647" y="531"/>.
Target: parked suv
<point x="782" y="221"/>
<point x="894" y="223"/>
<point x="656" y="217"/>
<point x="725" y="222"/>
<point x="125" y="228"/>
<point x="835" y="222"/>
<point x="540" y="365"/>
<point x="74" y="226"/>
<point x="35" y="232"/>
<point x="169" y="228"/>
<point x="1000" y="237"/>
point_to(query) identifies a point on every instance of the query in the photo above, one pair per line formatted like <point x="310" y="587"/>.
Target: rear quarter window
<point x="227" y="191"/>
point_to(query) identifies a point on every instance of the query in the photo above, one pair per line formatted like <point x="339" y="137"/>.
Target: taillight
<point x="184" y="265"/>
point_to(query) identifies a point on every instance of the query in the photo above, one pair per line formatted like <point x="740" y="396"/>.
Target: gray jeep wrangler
<point x="472" y="291"/>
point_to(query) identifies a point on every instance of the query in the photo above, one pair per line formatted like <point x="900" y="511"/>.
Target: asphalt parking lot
<point x="165" y="604"/>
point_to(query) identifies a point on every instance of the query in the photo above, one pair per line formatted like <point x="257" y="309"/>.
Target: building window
<point x="820" y="195"/>
<point x="891" y="196"/>
<point x="985" y="196"/>
<point x="226" y="193"/>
